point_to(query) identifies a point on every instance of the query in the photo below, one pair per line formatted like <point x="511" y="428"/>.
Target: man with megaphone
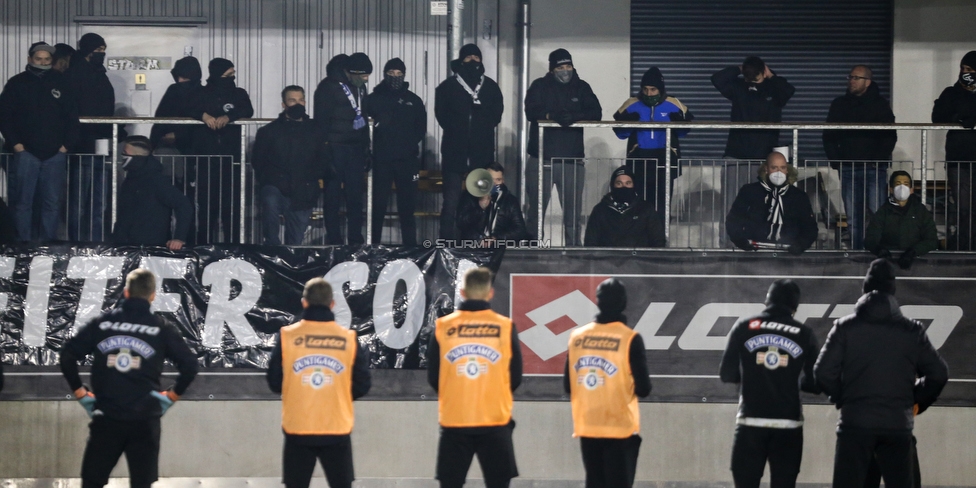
<point x="488" y="212"/>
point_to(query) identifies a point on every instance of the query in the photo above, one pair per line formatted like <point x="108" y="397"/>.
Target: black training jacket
<point x="468" y="141"/>
<point x="401" y="123"/>
<point x="91" y="88"/>
<point x="545" y="99"/>
<point x="217" y="101"/>
<point x="38" y="112"/>
<point x="292" y="156"/>
<point x="752" y="103"/>
<point x="147" y="203"/>
<point x="748" y="217"/>
<point x="503" y="218"/>
<point x="128" y="346"/>
<point x="860" y="145"/>
<point x="955" y="105"/>
<point x="771" y="356"/>
<point x="335" y="113"/>
<point x="176" y="102"/>
<point x="638" y="225"/>
<point x="870" y="362"/>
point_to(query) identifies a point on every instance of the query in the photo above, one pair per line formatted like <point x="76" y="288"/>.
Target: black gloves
<point x="907" y="258"/>
<point x="744" y="244"/>
<point x="968" y="122"/>
<point x="564" y="119"/>
<point x="678" y="116"/>
<point x="626" y="116"/>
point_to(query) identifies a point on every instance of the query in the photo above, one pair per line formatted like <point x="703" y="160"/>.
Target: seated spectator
<point x="622" y="218"/>
<point x="147" y="201"/>
<point x="772" y="210"/>
<point x="904" y="224"/>
<point x="496" y="216"/>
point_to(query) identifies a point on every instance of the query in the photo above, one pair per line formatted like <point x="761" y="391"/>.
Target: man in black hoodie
<point x="340" y="110"/>
<point x="957" y="105"/>
<point x="879" y="368"/>
<point x="216" y="182"/>
<point x="862" y="183"/>
<point x="401" y="124"/>
<point x="494" y="217"/>
<point x="291" y="154"/>
<point x="622" y="218"/>
<point x="771" y="356"/>
<point x="563" y="97"/>
<point x="468" y="106"/>
<point x="176" y="103"/>
<point x="39" y="123"/>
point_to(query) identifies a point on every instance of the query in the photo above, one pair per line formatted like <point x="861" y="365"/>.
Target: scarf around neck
<point x="774" y="197"/>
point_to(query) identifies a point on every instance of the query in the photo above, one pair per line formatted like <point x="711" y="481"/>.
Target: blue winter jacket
<point x="655" y="138"/>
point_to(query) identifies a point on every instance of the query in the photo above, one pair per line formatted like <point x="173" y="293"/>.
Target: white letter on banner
<point x="383" y="296"/>
<point x="222" y="309"/>
<point x="651" y="322"/>
<point x="165" y="268"/>
<point x="695" y="336"/>
<point x="944" y="320"/>
<point x="35" y="302"/>
<point x="354" y="273"/>
<point x="95" y="271"/>
<point x="7" y="265"/>
<point x="463" y="266"/>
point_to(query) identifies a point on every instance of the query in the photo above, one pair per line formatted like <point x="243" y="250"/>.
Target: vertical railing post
<point x="924" y="160"/>
<point x="243" y="181"/>
<point x="369" y="189"/>
<point x="115" y="179"/>
<point x="667" y="184"/>
<point x="542" y="168"/>
<point x="796" y="147"/>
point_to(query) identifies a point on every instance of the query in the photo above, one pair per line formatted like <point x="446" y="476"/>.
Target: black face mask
<point x="395" y="82"/>
<point x="98" y="59"/>
<point x="296" y="111"/>
<point x="623" y="194"/>
<point x="471" y="71"/>
<point x="134" y="163"/>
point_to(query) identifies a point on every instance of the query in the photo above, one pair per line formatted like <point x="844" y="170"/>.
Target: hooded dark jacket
<point x="955" y="105"/>
<point x="506" y="212"/>
<point x="95" y="96"/>
<point x="401" y="122"/>
<point x="869" y="364"/>
<point x="218" y="99"/>
<point x="147" y="201"/>
<point x="468" y="141"/>
<point x="39" y="113"/>
<point x="752" y="103"/>
<point x="860" y="145"/>
<point x="547" y="97"/>
<point x="334" y="112"/>
<point x="292" y="156"/>
<point x="894" y="227"/>
<point x="176" y="102"/>
<point x="639" y="225"/>
<point x="747" y="219"/>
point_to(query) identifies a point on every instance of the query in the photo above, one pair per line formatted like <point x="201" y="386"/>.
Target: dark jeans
<point x="960" y="179"/>
<point x="753" y="446"/>
<point x="347" y="185"/>
<point x="610" y="463"/>
<point x="108" y="439"/>
<point x="494" y="449"/>
<point x="405" y="173"/>
<point x="28" y="175"/>
<point x="452" y="196"/>
<point x="275" y="205"/>
<point x="569" y="177"/>
<point x="873" y="479"/>
<point x="86" y="199"/>
<point x="857" y="449"/>
<point x="864" y="187"/>
<point x="299" y="462"/>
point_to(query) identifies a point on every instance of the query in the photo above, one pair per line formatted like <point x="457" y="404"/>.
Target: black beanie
<point x="559" y="57"/>
<point x="969" y="59"/>
<point x="623" y="170"/>
<point x="217" y="68"/>
<point x="359" y="64"/>
<point x="785" y="293"/>
<point x="653" y="77"/>
<point x="880" y="277"/>
<point x="187" y="67"/>
<point x="611" y="297"/>
<point x="395" y="63"/>
<point x="89" y="43"/>
<point x="468" y="50"/>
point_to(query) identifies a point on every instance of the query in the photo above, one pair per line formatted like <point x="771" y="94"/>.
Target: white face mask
<point x="902" y="192"/>
<point x="777" y="178"/>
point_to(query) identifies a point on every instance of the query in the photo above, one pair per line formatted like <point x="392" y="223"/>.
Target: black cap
<point x="611" y="297"/>
<point x="880" y="277"/>
<point x="217" y="68"/>
<point x="559" y="57"/>
<point x="359" y="64"/>
<point x="187" y="67"/>
<point x="41" y="46"/>
<point x="623" y="170"/>
<point x="89" y="43"/>
<point x="653" y="77"/>
<point x="969" y="59"/>
<point x="785" y="293"/>
<point x="468" y="50"/>
<point x="395" y="63"/>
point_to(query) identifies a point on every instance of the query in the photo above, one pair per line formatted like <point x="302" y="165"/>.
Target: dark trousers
<point x="610" y="463"/>
<point x="87" y="182"/>
<point x="31" y="180"/>
<point x="108" y="439"/>
<point x="753" y="446"/>
<point x="346" y="186"/>
<point x="494" y="449"/>
<point x="873" y="479"/>
<point x="960" y="179"/>
<point x="452" y="195"/>
<point x="857" y="449"/>
<point x="405" y="173"/>
<point x="216" y="192"/>
<point x="298" y="462"/>
<point x="649" y="172"/>
<point x="569" y="176"/>
<point x="275" y="205"/>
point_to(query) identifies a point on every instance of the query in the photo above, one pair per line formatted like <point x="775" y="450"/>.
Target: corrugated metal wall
<point x="813" y="43"/>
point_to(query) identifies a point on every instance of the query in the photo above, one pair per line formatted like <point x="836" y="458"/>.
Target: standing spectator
<point x="468" y="106"/>
<point x="340" y="110"/>
<point x="494" y="217"/>
<point x="147" y="201"/>
<point x="879" y="368"/>
<point x="62" y="57"/>
<point x="90" y="86"/>
<point x="401" y="124"/>
<point x="772" y="210"/>
<point x="290" y="156"/>
<point x="605" y="372"/>
<point x="646" y="148"/>
<point x="563" y="97"/>
<point x="622" y="218"/>
<point x="176" y="102"/>
<point x="904" y="224"/>
<point x="861" y="155"/>
<point x="218" y="104"/>
<point x="39" y="122"/>
<point x="957" y="105"/>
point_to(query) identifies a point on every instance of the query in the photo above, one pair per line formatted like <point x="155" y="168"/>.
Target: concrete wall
<point x="682" y="442"/>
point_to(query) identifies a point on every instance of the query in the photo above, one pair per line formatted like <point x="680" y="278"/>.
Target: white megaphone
<point x="478" y="183"/>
